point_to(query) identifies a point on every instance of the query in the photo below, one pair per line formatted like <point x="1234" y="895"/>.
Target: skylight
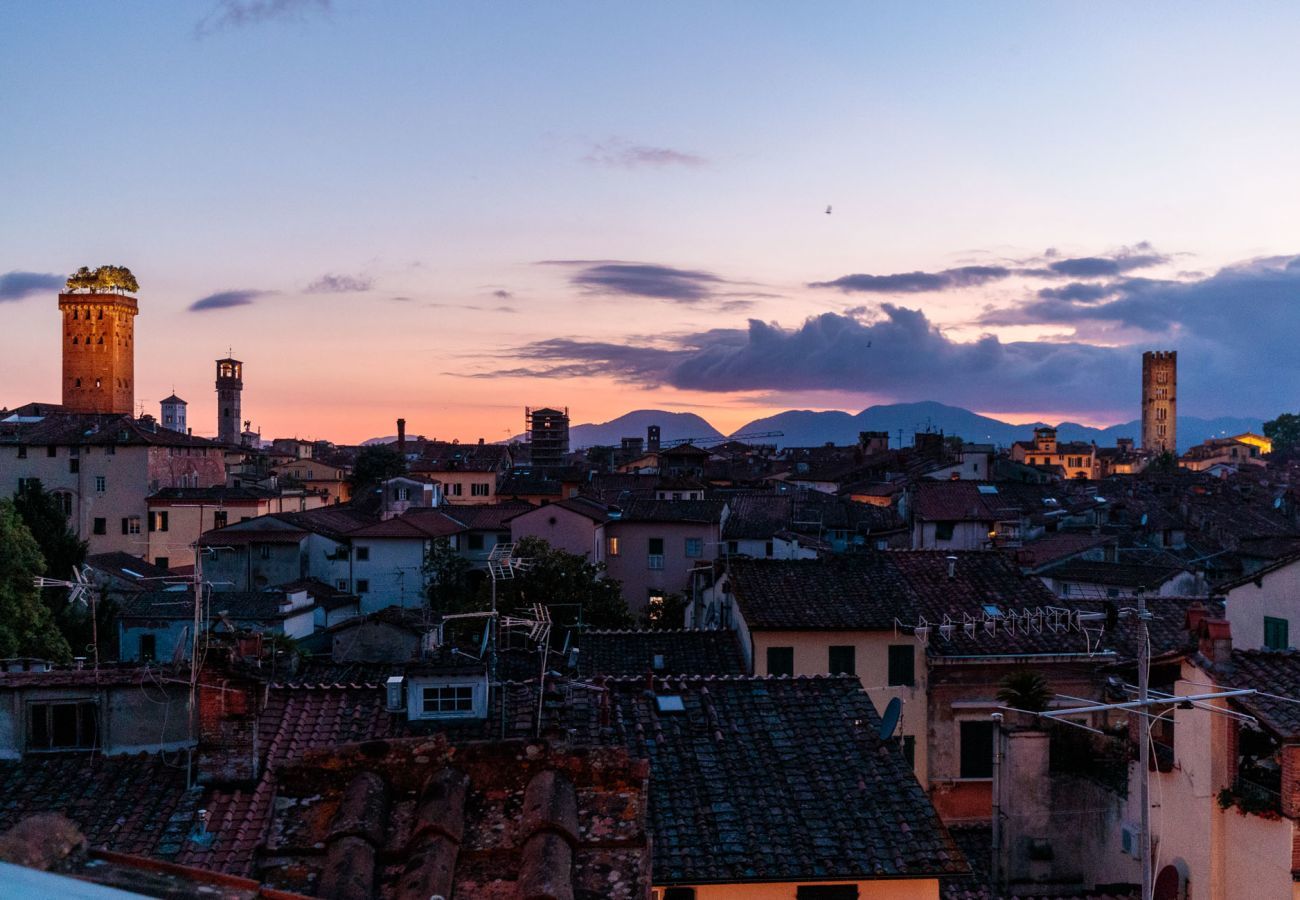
<point x="986" y="488"/>
<point x="669" y="703"/>
<point x="992" y="609"/>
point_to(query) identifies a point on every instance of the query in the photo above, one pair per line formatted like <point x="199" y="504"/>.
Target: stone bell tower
<point x="1160" y="401"/>
<point x="230" y="389"/>
<point x="99" y="341"/>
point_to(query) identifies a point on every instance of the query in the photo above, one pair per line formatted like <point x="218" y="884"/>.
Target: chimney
<point x="952" y="567"/>
<point x="401" y="437"/>
<point x="1196" y="614"/>
<point x="1216" y="641"/>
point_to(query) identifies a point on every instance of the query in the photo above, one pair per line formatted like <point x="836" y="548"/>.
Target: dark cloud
<point x="17" y="285"/>
<point x="1078" y="291"/>
<point x="502" y="294"/>
<point x="633" y="279"/>
<point x="917" y="282"/>
<point x="226" y="299"/>
<point x="1104" y="266"/>
<point x="243" y="13"/>
<point x="340" y="284"/>
<point x="900" y="354"/>
<point x="622" y="154"/>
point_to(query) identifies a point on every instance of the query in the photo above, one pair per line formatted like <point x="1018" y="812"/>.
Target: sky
<point x="448" y="211"/>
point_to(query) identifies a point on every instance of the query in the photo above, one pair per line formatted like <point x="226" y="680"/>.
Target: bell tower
<point x="230" y="387"/>
<point x="1160" y="401"/>
<point x="99" y="341"/>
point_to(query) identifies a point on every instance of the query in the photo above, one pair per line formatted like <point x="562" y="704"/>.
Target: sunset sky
<point x="446" y="211"/>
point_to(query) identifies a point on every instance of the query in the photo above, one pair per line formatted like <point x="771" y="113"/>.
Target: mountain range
<point x="807" y="428"/>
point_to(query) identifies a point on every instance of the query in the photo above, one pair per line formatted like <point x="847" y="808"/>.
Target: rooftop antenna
<point x="81" y="590"/>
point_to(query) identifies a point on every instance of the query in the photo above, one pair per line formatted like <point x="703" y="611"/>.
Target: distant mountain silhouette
<point x="807" y="428"/>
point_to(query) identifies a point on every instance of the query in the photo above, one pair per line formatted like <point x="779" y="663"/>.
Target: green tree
<point x="26" y="626"/>
<point x="574" y="588"/>
<point x="374" y="465"/>
<point x="62" y="552"/>
<point x="1284" y="432"/>
<point x="448" y="574"/>
<point x="1025" y="690"/>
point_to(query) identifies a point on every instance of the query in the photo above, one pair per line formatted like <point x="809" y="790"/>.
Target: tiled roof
<point x="443" y="457"/>
<point x="217" y="494"/>
<point x="647" y="510"/>
<point x="683" y="652"/>
<point x="1273" y="671"/>
<point x="129" y="804"/>
<point x="960" y="501"/>
<point x="1166" y="628"/>
<point x="422" y="818"/>
<point x="757" y="516"/>
<point x="330" y="521"/>
<point x="89" y="429"/>
<point x="885" y="590"/>
<point x="415" y="525"/>
<point x="1058" y="546"/>
<point x="775" y="779"/>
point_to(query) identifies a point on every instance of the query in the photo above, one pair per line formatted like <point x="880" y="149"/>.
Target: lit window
<point x="613" y="546"/>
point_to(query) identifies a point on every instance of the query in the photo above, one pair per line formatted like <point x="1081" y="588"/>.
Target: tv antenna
<point x="81" y="591"/>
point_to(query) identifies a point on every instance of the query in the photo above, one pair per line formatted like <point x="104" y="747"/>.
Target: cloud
<point x="619" y="153"/>
<point x="243" y="13"/>
<point x="917" y="282"/>
<point x="226" y="299"/>
<point x="502" y="294"/>
<point x="17" y="285"/>
<point x="1104" y="266"/>
<point x="340" y="284"/>
<point x="634" y="279"/>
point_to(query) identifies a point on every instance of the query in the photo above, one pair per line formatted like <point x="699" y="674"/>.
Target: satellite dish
<point x="1143" y="520"/>
<point x="889" y="721"/>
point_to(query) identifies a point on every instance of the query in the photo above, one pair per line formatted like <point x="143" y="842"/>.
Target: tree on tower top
<point x="105" y="279"/>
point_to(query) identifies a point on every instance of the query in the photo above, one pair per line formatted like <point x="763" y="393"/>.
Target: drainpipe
<point x="995" y="867"/>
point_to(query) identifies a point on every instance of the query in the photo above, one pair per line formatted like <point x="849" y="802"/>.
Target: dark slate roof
<point x="685" y="651"/>
<point x="647" y="510"/>
<point x="1058" y="546"/>
<point x="1274" y="671"/>
<point x="757" y="516"/>
<point x="238" y="605"/>
<point x="486" y="516"/>
<point x="1128" y="575"/>
<point x="775" y="779"/>
<point x="887" y="590"/>
<point x="128" y="804"/>
<point x="334" y="522"/>
<point x="128" y="568"/>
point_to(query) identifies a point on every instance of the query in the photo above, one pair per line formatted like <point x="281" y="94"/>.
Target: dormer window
<point x="447" y="698"/>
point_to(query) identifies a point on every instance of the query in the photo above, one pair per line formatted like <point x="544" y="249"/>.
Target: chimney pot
<point x="1216" y="641"/>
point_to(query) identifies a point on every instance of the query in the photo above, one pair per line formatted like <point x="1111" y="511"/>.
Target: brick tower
<point x="1160" y="401"/>
<point x="98" y="352"/>
<point x="230" y="387"/>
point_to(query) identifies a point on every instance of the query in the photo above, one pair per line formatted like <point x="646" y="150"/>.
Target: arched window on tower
<point x="78" y="384"/>
<point x="101" y="339"/>
<point x="74" y="314"/>
<point x="101" y="314"/>
<point x="74" y="340"/>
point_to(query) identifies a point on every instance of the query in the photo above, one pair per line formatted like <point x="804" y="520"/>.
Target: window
<point x="902" y="664"/>
<point x="976" y="749"/>
<point x="100" y="526"/>
<point x="158" y="521"/>
<point x="909" y="749"/>
<point x="943" y="531"/>
<point x="448" y="700"/>
<point x="780" y="660"/>
<point x="101" y="483"/>
<point x="840" y="660"/>
<point x="363" y="554"/>
<point x="74" y="466"/>
<point x="264" y="551"/>
<point x="655" y="607"/>
<point x="220" y="518"/>
<point x="22" y="452"/>
<point x="655" y="551"/>
<point x="612" y="544"/>
<point x="694" y="548"/>
<point x="363" y="585"/>
<point x="62" y="726"/>
<point x="679" y="893"/>
<point x="341" y="584"/>
<point x="479" y="489"/>
<point x="476" y="542"/>
<point x="148" y="647"/>
<point x="64" y="501"/>
<point x="1275" y="633"/>
<point x="767" y="549"/>
<point x="733" y="548"/>
<point x="454" y="489"/>
<point x="403" y="493"/>
<point x="130" y="524"/>
<point x="826" y="892"/>
<point x="51" y="451"/>
<point x="162" y="562"/>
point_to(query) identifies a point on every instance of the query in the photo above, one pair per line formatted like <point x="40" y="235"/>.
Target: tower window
<point x="78" y="382"/>
<point x="74" y="314"/>
<point x="98" y="382"/>
<point x="101" y="339"/>
<point x="75" y="341"/>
